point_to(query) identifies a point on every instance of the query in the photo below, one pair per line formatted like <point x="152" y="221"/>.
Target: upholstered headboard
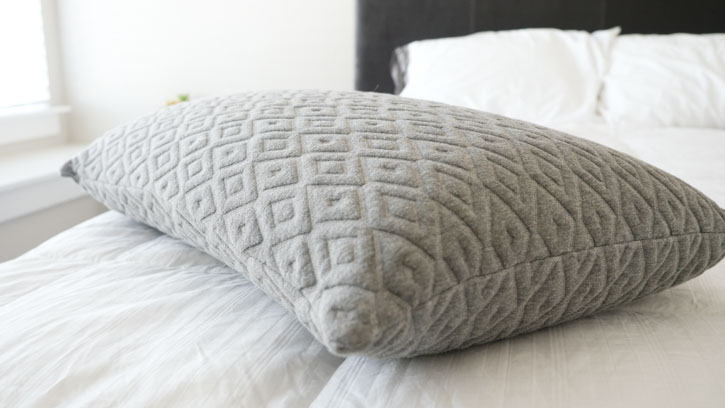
<point x="383" y="25"/>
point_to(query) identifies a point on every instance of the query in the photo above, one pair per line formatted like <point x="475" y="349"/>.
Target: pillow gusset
<point x="395" y="227"/>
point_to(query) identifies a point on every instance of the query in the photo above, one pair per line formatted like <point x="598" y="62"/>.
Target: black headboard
<point x="383" y="25"/>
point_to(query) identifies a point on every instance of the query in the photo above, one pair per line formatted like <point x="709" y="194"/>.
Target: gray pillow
<point x="395" y="227"/>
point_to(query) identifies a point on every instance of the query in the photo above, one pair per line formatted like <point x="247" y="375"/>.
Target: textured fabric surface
<point x="396" y="227"/>
<point x="663" y="350"/>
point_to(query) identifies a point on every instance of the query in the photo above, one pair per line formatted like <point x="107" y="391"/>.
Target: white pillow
<point x="541" y="75"/>
<point x="666" y="80"/>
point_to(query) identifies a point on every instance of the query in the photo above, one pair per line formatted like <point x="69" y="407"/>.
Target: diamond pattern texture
<point x="394" y="227"/>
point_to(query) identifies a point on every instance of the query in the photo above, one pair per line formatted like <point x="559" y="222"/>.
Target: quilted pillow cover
<point x="394" y="227"/>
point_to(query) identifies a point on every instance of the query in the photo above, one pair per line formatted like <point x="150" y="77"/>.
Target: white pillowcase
<point x="541" y="75"/>
<point x="666" y="80"/>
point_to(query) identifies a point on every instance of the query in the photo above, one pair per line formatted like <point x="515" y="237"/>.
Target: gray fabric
<point x="395" y="227"/>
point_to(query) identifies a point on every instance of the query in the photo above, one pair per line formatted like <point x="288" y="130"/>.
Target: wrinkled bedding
<point x="113" y="313"/>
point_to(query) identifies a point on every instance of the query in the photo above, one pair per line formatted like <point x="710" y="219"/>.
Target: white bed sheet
<point x="112" y="313"/>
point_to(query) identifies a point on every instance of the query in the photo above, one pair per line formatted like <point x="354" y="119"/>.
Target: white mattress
<point x="113" y="313"/>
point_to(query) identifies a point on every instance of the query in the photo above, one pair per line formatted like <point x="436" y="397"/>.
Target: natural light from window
<point x="23" y="65"/>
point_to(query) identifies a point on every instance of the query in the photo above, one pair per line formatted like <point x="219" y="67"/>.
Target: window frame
<point x="40" y="121"/>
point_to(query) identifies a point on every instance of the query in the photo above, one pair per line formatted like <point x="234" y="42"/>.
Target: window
<point x="23" y="62"/>
<point x="26" y="112"/>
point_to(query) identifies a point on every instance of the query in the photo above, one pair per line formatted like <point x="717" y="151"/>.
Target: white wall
<point x="124" y="58"/>
<point x="19" y="235"/>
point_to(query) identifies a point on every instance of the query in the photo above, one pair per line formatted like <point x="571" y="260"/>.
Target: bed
<point x="115" y="313"/>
